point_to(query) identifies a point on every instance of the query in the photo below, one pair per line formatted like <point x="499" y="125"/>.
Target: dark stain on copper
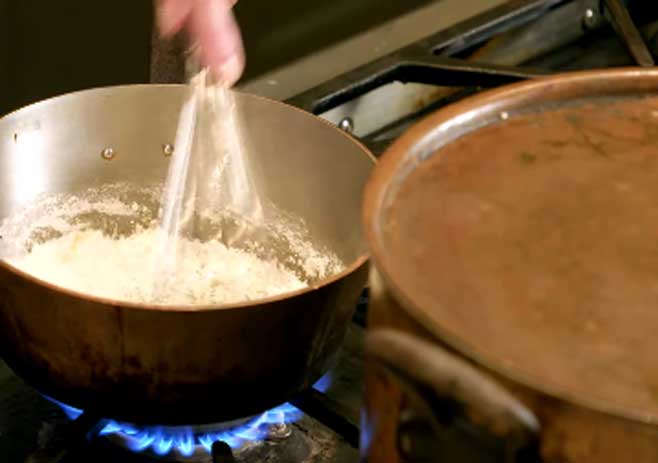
<point x="528" y="158"/>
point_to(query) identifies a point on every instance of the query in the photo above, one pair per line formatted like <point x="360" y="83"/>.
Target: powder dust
<point x="210" y="173"/>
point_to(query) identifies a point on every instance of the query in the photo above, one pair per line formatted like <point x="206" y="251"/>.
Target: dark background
<point x="50" y="47"/>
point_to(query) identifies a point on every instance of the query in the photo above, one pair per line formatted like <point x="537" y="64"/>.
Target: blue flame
<point x="323" y="383"/>
<point x="163" y="440"/>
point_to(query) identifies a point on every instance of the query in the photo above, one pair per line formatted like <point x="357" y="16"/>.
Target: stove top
<point x="519" y="39"/>
<point x="322" y="428"/>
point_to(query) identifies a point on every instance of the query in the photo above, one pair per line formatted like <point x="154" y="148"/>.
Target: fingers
<point x="213" y="31"/>
<point x="171" y="15"/>
<point x="217" y="34"/>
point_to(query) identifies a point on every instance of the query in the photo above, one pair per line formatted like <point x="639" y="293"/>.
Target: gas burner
<point x="195" y="443"/>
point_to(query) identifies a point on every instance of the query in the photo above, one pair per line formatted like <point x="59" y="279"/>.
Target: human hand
<point x="212" y="28"/>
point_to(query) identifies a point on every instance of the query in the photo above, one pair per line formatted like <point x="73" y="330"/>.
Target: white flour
<point x="103" y="242"/>
<point x="210" y="273"/>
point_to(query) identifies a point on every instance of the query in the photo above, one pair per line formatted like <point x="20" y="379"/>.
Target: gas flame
<point x="184" y="440"/>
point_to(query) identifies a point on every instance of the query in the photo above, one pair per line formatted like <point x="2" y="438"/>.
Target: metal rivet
<point x="589" y="18"/>
<point x="108" y="154"/>
<point x="168" y="149"/>
<point x="504" y="115"/>
<point x="346" y="124"/>
<point x="278" y="431"/>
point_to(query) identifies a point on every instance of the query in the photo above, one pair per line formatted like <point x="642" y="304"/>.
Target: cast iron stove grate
<point x="521" y="39"/>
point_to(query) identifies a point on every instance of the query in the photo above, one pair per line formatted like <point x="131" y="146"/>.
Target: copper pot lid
<point x="521" y="227"/>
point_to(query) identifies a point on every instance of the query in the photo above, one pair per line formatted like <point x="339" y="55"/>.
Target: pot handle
<point x="447" y="384"/>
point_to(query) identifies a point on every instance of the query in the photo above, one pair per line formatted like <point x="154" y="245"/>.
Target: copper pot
<point x="177" y="365"/>
<point x="512" y="310"/>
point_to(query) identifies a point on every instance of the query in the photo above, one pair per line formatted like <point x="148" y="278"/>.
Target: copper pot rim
<point x="352" y="267"/>
<point x="402" y="155"/>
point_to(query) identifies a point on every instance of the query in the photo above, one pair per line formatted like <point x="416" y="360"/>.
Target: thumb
<point x="216" y="31"/>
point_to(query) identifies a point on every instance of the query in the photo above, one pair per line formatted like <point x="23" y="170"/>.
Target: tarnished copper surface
<point x="568" y="432"/>
<point x="518" y="227"/>
<point x="536" y="240"/>
<point x="166" y="366"/>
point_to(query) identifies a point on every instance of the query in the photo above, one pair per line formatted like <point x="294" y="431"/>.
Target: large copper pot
<point x="513" y="313"/>
<point x="156" y="365"/>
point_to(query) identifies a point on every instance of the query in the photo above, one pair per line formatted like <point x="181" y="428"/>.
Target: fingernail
<point x="231" y="71"/>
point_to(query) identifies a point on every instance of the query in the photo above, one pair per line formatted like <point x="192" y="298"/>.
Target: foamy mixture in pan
<point x="93" y="263"/>
<point x="102" y="244"/>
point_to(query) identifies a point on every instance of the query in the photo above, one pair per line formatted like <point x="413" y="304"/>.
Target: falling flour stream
<point x="209" y="174"/>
